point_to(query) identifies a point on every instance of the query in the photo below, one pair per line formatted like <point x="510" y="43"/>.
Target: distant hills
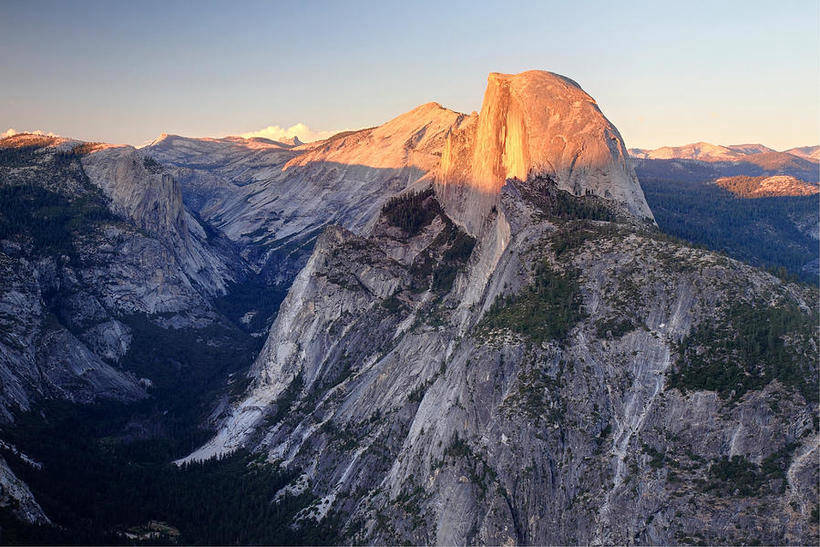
<point x="746" y="170"/>
<point x="704" y="161"/>
<point x="806" y="152"/>
<point x="704" y="151"/>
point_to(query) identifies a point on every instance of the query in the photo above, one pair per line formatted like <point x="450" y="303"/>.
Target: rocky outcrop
<point x="15" y="494"/>
<point x="535" y="124"/>
<point x="142" y="191"/>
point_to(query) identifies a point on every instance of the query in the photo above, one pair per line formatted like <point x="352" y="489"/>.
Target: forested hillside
<point x="771" y="232"/>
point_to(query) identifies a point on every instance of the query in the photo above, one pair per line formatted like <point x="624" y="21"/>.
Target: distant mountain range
<point x="704" y="151"/>
<point x="702" y="161"/>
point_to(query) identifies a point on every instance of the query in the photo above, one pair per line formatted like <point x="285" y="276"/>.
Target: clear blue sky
<point x="664" y="73"/>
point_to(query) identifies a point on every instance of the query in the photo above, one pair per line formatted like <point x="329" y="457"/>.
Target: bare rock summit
<point x="535" y="124"/>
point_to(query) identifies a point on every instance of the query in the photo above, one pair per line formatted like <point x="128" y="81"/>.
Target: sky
<point x="665" y="73"/>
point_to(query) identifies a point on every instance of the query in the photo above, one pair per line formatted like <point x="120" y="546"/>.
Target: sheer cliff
<point x="535" y="124"/>
<point x="93" y="236"/>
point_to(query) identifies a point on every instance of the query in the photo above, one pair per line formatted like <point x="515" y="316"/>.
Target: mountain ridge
<point x="706" y="151"/>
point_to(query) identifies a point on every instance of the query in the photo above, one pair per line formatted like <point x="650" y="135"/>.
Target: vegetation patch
<point x="543" y="192"/>
<point x="545" y="310"/>
<point x="573" y="235"/>
<point x="151" y="165"/>
<point x="99" y="490"/>
<point x="411" y="211"/>
<point x="252" y="303"/>
<point x="737" y="476"/>
<point x="48" y="218"/>
<point x="533" y="397"/>
<point x="453" y="259"/>
<point x="614" y="327"/>
<point x="437" y="266"/>
<point x="393" y="304"/>
<point x="751" y="345"/>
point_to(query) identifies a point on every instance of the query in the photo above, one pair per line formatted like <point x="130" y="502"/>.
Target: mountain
<point x="752" y="148"/>
<point x="131" y="275"/>
<point x="701" y="159"/>
<point x="535" y="124"/>
<point x="274" y="200"/>
<point x="183" y="233"/>
<point x="811" y="153"/>
<point x="513" y="353"/>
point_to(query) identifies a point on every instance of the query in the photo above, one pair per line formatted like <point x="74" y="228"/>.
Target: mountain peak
<point x="537" y="77"/>
<point x="751" y="148"/>
<point x="538" y="123"/>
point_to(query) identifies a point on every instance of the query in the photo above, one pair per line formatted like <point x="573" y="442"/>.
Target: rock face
<point x="536" y="124"/>
<point x="15" y="493"/>
<point x="274" y="200"/>
<point x="140" y="190"/>
<point x="91" y="235"/>
<point x="547" y="370"/>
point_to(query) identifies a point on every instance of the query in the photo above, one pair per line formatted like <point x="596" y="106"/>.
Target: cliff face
<point x="536" y="124"/>
<point x="433" y="390"/>
<point x="273" y="201"/>
<point x="90" y="236"/>
<point x="518" y="357"/>
<point x="148" y="195"/>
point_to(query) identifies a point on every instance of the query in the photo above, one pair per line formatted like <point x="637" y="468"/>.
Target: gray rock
<point x="409" y="416"/>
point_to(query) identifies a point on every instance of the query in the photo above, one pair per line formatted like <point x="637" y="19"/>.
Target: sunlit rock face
<point x="411" y="140"/>
<point x="274" y="199"/>
<point x="535" y="124"/>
